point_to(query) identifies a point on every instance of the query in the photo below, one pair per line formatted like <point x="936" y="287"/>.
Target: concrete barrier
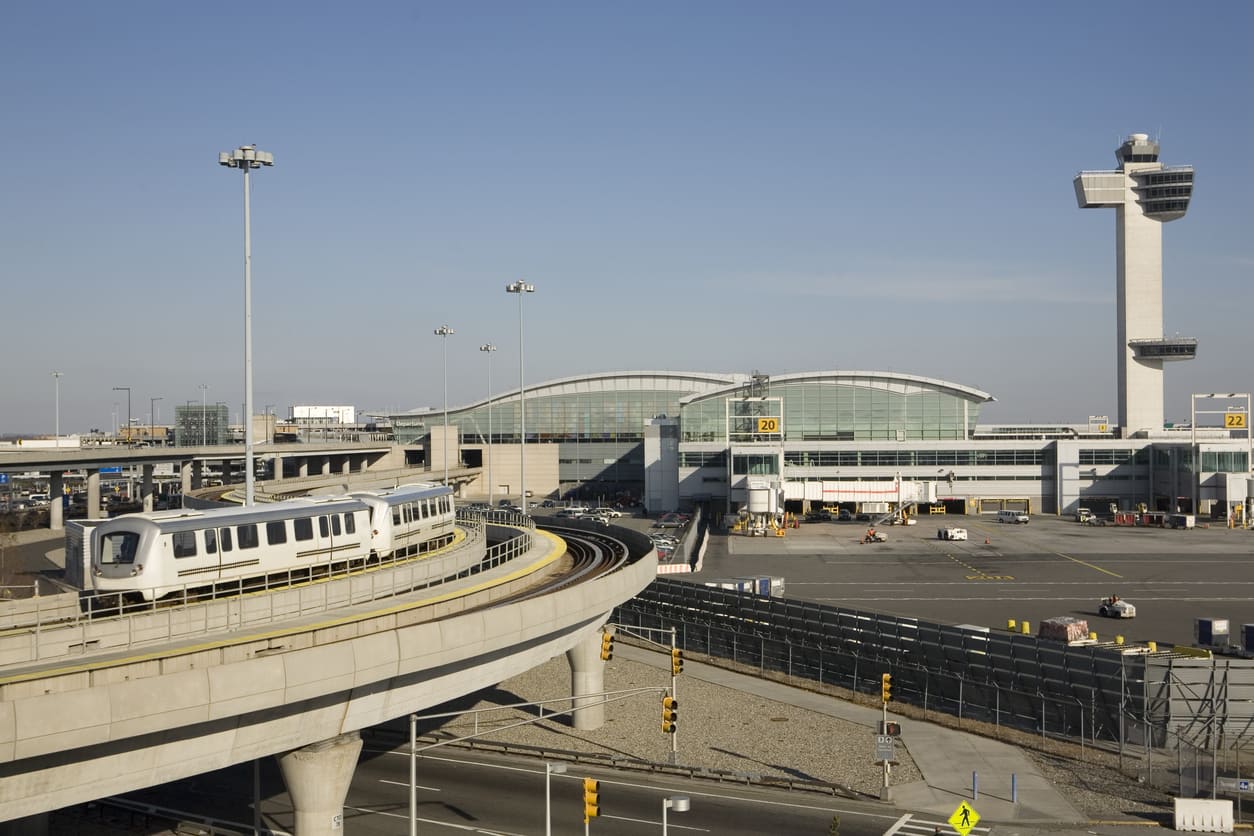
<point x="1203" y="815"/>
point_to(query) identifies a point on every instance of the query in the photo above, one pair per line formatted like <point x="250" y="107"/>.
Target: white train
<point x="154" y="554"/>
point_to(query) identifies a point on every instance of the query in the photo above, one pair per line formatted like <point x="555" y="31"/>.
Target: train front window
<point x="119" y="547"/>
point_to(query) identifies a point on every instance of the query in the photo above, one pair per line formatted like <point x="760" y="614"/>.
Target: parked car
<point x="846" y="515"/>
<point x="607" y="512"/>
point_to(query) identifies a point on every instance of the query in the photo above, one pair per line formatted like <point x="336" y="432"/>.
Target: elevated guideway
<point x="97" y="707"/>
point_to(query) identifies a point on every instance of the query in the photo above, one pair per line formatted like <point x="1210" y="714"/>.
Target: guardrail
<point x="160" y="622"/>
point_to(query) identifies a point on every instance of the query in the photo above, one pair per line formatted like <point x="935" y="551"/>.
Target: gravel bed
<point x="719" y="728"/>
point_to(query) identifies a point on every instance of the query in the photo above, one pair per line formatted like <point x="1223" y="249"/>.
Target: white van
<point x="1012" y="517"/>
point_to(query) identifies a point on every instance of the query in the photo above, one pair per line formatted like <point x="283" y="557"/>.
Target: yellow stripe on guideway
<point x="1089" y="565"/>
<point x="557" y="550"/>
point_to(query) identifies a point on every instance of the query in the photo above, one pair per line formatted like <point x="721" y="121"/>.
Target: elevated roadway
<point x="91" y="708"/>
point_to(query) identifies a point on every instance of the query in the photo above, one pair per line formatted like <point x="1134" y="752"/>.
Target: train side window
<point x="423" y="510"/>
<point x="184" y="543"/>
<point x="409" y="512"/>
<point x="350" y="523"/>
<point x="396" y="515"/>
<point x="211" y="541"/>
<point x="303" y="528"/>
<point x="225" y="534"/>
<point x="276" y="532"/>
<point x="323" y="528"/>
<point x="335" y="525"/>
<point x="119" y="547"/>
<point x="248" y="536"/>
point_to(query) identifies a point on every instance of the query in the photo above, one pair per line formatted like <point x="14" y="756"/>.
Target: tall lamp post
<point x="128" y="411"/>
<point x="678" y="803"/>
<point x="204" y="412"/>
<point x="445" y="332"/>
<point x="152" y="420"/>
<point x="488" y="348"/>
<point x="550" y="769"/>
<point x="520" y="287"/>
<point x="57" y="377"/>
<point x="245" y="158"/>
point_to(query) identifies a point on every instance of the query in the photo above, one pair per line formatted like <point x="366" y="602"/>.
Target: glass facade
<point x="847" y="408"/>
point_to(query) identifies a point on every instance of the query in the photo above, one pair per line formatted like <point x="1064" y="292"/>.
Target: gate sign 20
<point x="771" y="425"/>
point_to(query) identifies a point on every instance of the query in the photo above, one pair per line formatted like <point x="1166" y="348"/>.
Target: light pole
<point x="445" y="332"/>
<point x="550" y="769"/>
<point x="57" y="377"/>
<point x="204" y="412"/>
<point x="128" y="411"/>
<point x="520" y="287"/>
<point x="152" y="420"/>
<point x="678" y="803"/>
<point x="246" y="158"/>
<point x="488" y="348"/>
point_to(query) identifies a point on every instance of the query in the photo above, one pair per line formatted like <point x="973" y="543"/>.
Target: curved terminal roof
<point x="890" y="381"/>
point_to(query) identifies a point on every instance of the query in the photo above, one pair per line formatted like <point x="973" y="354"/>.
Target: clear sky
<point x="722" y="186"/>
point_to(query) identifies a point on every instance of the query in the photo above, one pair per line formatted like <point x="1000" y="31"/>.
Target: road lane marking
<point x="1089" y="565"/>
<point x="406" y="784"/>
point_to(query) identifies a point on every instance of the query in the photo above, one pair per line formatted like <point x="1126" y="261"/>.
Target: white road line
<point x="897" y="825"/>
<point x="469" y="828"/>
<point x="406" y="784"/>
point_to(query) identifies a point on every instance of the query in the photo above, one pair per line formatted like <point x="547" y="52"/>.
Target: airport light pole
<point x="520" y="287"/>
<point x="128" y="411"/>
<point x="57" y="377"/>
<point x="245" y="158"/>
<point x="678" y="803"/>
<point x="204" y="412"/>
<point x="445" y="332"/>
<point x="550" y="769"/>
<point x="488" y="348"/>
<point x="152" y="420"/>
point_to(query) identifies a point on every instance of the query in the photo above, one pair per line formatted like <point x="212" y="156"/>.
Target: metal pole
<point x="675" y="697"/>
<point x="248" y="344"/>
<point x="522" y="411"/>
<point x="444" y="331"/>
<point x="57" y="377"/>
<point x="488" y="348"/>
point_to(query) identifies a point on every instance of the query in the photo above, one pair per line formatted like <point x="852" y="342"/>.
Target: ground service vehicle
<point x="1115" y="607"/>
<point x="951" y="534"/>
<point x="155" y="554"/>
<point x="1012" y="517"/>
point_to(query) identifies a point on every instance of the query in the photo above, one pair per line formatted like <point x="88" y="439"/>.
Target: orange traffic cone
<point x="986" y="541"/>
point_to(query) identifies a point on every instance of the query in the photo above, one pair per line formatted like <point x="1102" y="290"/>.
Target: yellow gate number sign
<point x="1234" y="420"/>
<point x="964" y="818"/>
<point x="771" y="425"/>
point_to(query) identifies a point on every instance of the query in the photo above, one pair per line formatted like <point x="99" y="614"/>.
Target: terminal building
<point x="878" y="440"/>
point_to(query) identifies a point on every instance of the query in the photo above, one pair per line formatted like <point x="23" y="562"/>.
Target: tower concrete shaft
<point x="1144" y="194"/>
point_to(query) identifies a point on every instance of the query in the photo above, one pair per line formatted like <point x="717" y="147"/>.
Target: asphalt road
<point x="1049" y="567"/>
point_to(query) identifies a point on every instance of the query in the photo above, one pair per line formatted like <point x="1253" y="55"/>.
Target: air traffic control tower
<point x="1144" y="194"/>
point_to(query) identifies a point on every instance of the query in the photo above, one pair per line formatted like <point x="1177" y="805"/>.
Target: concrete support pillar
<point x="326" y="466"/>
<point x="36" y="825"/>
<point x="93" y="494"/>
<point x="277" y="467"/>
<point x="198" y="475"/>
<point x="146" y="489"/>
<point x="56" y="505"/>
<point x="317" y="779"/>
<point x="587" y="676"/>
<point x="185" y="476"/>
<point x="346" y="464"/>
<point x="304" y="466"/>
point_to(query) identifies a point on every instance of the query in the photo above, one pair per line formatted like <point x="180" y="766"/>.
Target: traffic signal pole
<point x="675" y="696"/>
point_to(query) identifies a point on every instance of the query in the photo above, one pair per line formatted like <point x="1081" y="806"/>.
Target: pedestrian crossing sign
<point x="964" y="818"/>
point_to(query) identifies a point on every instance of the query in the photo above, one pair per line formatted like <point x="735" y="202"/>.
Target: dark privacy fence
<point x="1007" y="679"/>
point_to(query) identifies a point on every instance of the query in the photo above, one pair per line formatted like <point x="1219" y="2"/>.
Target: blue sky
<point x="695" y="186"/>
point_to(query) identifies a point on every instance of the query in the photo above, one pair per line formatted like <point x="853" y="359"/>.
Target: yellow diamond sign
<point x="964" y="818"/>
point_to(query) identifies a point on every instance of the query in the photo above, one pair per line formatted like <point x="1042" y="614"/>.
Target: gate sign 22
<point x="1234" y="420"/>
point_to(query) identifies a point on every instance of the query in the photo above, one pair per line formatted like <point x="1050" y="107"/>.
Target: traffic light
<point x="607" y="647"/>
<point x="886" y="687"/>
<point x="677" y="661"/>
<point x="591" y="799"/>
<point x="670" y="714"/>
